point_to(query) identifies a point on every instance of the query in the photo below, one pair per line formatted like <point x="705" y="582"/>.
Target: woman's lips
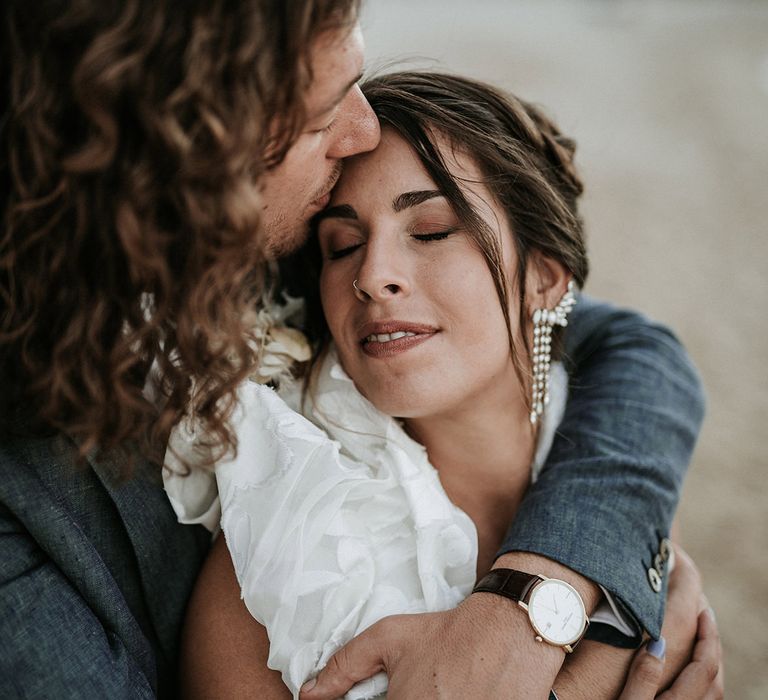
<point x="392" y="338"/>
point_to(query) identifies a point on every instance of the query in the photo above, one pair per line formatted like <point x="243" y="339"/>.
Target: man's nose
<point x="357" y="128"/>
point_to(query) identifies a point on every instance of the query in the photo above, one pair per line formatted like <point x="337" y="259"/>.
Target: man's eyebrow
<point x="340" y="211"/>
<point x="339" y="97"/>
<point x="411" y="199"/>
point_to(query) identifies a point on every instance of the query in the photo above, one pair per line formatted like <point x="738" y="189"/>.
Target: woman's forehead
<point x="395" y="161"/>
<point x="391" y="165"/>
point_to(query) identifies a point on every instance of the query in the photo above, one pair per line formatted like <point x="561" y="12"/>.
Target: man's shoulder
<point x="46" y="484"/>
<point x="87" y="544"/>
<point x="25" y="460"/>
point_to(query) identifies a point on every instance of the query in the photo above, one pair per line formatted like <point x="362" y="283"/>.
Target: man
<point x="153" y="154"/>
<point x="135" y="137"/>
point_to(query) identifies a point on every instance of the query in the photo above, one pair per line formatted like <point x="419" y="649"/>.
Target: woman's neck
<point x="483" y="453"/>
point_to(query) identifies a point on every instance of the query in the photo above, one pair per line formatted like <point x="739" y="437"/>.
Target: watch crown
<point x="539" y="639"/>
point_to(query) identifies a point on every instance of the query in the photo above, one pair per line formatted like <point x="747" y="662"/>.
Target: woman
<point x="447" y="264"/>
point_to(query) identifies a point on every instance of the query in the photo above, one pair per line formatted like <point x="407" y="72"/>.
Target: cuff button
<point x="654" y="579"/>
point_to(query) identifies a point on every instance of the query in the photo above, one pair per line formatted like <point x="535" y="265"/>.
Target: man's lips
<point x="321" y="202"/>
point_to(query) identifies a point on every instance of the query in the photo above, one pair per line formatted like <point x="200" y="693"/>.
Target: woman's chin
<point x="403" y="404"/>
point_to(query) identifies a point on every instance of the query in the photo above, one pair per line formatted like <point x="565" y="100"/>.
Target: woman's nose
<point x="362" y="292"/>
<point x="383" y="273"/>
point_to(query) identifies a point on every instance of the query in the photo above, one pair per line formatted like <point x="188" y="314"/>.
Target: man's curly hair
<point x="132" y="138"/>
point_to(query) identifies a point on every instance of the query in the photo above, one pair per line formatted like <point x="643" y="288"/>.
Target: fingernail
<point x="711" y="612"/>
<point x="311" y="683"/>
<point x="657" y="648"/>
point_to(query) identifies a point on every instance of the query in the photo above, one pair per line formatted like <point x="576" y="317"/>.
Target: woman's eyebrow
<point x="411" y="199"/>
<point x="402" y="201"/>
<point x="340" y="211"/>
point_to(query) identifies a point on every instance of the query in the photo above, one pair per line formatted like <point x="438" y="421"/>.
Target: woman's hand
<point x="686" y="676"/>
<point x="700" y="679"/>
<point x="482" y="649"/>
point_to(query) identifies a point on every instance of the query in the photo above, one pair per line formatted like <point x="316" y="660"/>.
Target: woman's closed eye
<point x="338" y="238"/>
<point x="439" y="235"/>
<point x="436" y="236"/>
<point x="342" y="252"/>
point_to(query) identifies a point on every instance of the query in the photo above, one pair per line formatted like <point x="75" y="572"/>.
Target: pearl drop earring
<point x="543" y="322"/>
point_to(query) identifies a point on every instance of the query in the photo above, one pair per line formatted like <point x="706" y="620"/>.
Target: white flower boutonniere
<point x="278" y="347"/>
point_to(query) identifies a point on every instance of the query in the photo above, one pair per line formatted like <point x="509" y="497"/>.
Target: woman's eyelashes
<point x="434" y="235"/>
<point x="343" y="252"/>
<point x="338" y="238"/>
<point x="341" y="248"/>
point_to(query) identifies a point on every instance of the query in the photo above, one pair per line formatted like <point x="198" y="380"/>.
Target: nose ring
<point x="354" y="284"/>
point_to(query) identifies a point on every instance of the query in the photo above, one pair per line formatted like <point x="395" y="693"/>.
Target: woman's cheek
<point x="332" y="298"/>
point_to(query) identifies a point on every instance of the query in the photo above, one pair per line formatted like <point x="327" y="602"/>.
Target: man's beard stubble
<point x="285" y="237"/>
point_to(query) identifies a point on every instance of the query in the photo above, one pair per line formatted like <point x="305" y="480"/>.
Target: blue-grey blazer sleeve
<point x="608" y="492"/>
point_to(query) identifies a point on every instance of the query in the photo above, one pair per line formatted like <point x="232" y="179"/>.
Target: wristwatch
<point x="555" y="608"/>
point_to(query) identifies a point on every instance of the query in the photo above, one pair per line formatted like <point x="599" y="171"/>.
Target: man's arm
<point x="611" y="483"/>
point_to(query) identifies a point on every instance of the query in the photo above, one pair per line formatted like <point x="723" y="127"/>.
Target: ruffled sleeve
<point x="191" y="489"/>
<point x="327" y="540"/>
<point x="334" y="520"/>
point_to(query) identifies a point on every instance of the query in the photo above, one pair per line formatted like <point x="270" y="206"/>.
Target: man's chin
<point x="286" y="240"/>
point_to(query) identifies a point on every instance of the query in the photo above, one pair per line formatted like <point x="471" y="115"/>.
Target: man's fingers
<point x="685" y="576"/>
<point x="702" y="677"/>
<point x="645" y="672"/>
<point x="362" y="657"/>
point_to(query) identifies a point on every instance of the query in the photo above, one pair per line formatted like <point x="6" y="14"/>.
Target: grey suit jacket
<point x="94" y="576"/>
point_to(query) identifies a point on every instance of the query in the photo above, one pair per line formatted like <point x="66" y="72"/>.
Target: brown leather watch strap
<point x="507" y="582"/>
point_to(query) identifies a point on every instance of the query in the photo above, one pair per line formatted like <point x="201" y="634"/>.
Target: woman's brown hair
<point x="525" y="162"/>
<point x="132" y="139"/>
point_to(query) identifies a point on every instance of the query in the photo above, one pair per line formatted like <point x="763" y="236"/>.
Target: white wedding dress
<point x="333" y="520"/>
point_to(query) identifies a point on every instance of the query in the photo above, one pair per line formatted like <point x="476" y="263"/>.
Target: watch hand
<point x="554" y="600"/>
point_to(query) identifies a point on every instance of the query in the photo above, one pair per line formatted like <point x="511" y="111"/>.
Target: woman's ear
<point x="546" y="281"/>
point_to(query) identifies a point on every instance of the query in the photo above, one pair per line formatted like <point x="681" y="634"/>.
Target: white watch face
<point x="557" y="612"/>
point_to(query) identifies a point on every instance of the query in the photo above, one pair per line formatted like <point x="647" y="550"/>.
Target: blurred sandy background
<point x="669" y="104"/>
